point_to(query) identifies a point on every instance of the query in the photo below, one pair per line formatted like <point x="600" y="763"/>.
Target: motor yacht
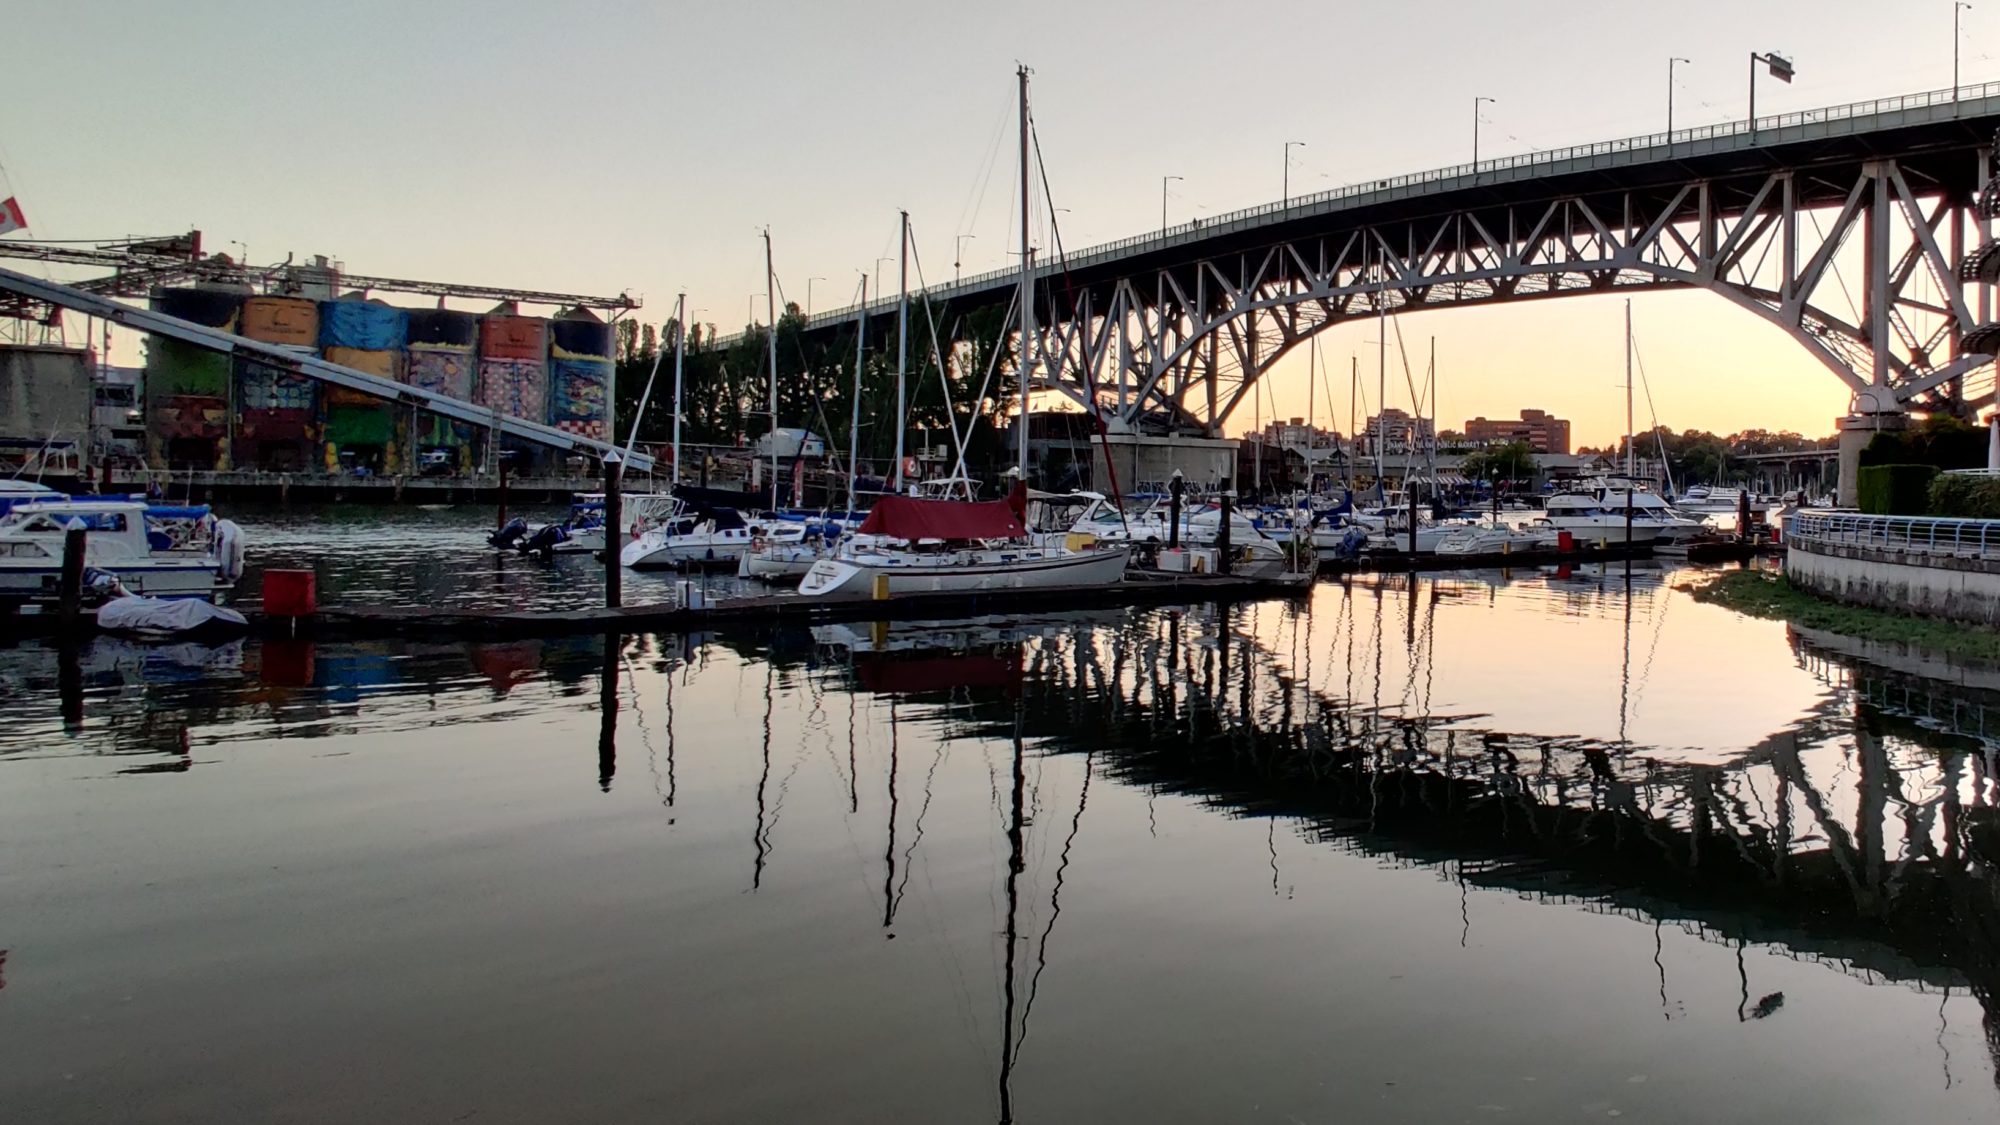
<point x="149" y="551"/>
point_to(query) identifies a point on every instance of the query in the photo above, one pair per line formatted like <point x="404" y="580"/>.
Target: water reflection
<point x="1588" y="741"/>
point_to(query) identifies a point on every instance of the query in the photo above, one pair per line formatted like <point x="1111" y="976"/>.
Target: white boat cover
<point x="165" y="615"/>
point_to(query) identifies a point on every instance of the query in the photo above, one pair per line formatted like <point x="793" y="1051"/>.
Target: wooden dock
<point x="360" y="622"/>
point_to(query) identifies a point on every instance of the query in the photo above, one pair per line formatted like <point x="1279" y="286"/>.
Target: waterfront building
<point x="1544" y="432"/>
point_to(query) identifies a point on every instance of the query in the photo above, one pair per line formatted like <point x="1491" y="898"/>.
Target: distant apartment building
<point x="1543" y="432"/>
<point x="1395" y="431"/>
<point x="1295" y="434"/>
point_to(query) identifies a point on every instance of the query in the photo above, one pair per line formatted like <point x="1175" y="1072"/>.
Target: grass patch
<point x="1766" y="594"/>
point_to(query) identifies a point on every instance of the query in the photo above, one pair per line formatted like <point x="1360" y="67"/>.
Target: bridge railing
<point x="1956" y="538"/>
<point x="1236" y="220"/>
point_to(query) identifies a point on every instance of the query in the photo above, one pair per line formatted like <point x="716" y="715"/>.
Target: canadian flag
<point x="11" y="218"/>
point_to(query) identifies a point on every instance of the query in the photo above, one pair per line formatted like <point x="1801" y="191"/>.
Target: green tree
<point x="1512" y="461"/>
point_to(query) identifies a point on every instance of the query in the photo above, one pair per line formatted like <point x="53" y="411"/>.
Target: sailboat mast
<point x="902" y="342"/>
<point x="1381" y="434"/>
<point x="1312" y="377"/>
<point x="680" y="356"/>
<point x="1027" y="358"/>
<point x="854" y="425"/>
<point x="771" y="311"/>
<point x="1431" y="396"/>
<point x="1630" y="445"/>
<point x="645" y="400"/>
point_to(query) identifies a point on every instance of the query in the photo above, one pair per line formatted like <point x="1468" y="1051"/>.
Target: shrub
<point x="1965" y="497"/>
<point x="1894" y="490"/>
<point x="1940" y="440"/>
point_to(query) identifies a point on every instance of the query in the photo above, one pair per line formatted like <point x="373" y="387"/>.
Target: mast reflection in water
<point x="1549" y="844"/>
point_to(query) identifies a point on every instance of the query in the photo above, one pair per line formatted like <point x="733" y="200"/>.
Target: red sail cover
<point x="901" y="517"/>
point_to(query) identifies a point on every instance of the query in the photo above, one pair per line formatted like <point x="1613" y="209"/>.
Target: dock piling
<point x="614" y="573"/>
<point x="69" y="588"/>
<point x="1222" y="559"/>
<point x="502" y="459"/>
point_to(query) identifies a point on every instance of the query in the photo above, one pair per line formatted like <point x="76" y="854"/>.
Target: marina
<point x="729" y="564"/>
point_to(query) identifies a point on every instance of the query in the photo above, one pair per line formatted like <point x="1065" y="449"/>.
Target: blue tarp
<point x="362" y="324"/>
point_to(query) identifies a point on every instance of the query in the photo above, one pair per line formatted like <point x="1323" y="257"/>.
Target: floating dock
<point x="764" y="609"/>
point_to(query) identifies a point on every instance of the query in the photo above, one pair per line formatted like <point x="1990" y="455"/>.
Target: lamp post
<point x="750" y="312"/>
<point x="1956" y="7"/>
<point x="1781" y="69"/>
<point x="809" y="293"/>
<point x="1475" y="132"/>
<point x="957" y="254"/>
<point x="878" y="272"/>
<point x="1670" y="94"/>
<point x="1163" y="200"/>
<point x="1288" y="170"/>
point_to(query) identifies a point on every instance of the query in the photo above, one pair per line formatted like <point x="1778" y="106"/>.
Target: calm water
<point x="1533" y="847"/>
<point x="412" y="555"/>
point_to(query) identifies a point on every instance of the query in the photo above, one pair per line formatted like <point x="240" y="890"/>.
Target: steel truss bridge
<point x="1865" y="231"/>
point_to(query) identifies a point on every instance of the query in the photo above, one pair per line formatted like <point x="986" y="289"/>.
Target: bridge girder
<point x="1191" y="338"/>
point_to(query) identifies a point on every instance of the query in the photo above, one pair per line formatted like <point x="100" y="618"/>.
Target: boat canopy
<point x="904" y="517"/>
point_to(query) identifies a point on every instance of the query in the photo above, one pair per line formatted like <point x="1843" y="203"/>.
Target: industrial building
<point x="198" y="410"/>
<point x="206" y="412"/>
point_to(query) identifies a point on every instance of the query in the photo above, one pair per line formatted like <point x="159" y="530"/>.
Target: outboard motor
<point x="510" y="536"/>
<point x="543" y="542"/>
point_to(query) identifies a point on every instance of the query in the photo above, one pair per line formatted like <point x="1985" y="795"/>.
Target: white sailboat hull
<point x="964" y="572"/>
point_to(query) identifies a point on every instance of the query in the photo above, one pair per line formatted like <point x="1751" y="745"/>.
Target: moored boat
<point x="1613" y="510"/>
<point x="909" y="546"/>
<point x="154" y="552"/>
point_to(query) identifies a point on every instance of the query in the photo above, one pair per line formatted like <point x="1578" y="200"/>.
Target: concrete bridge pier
<point x="1875" y="411"/>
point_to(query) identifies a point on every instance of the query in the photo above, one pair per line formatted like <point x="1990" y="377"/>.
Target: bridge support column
<point x="1875" y="252"/>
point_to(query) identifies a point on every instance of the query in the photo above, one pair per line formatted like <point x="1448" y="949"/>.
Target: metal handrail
<point x="1233" y="220"/>
<point x="1961" y="538"/>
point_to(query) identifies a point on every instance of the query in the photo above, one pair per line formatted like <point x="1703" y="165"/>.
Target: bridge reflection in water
<point x="1863" y="837"/>
<point x="1591" y="740"/>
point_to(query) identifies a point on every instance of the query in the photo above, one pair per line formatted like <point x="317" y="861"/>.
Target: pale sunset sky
<point x="600" y="147"/>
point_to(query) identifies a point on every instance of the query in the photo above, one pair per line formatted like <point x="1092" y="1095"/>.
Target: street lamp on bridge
<point x="809" y="293"/>
<point x="1163" y="200"/>
<point x="1781" y="69"/>
<point x="1956" y="7"/>
<point x="1475" y="132"/>
<point x="1670" y="94"/>
<point x="1288" y="170"/>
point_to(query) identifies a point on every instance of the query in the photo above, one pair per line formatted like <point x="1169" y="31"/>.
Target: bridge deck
<point x="1908" y="127"/>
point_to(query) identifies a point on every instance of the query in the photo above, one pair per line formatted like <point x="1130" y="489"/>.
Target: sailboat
<point x="910" y="545"/>
<point x="786" y="553"/>
<point x="1618" y="508"/>
<point x="710" y="527"/>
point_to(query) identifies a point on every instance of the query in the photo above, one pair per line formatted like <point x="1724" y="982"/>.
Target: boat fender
<point x="229" y="543"/>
